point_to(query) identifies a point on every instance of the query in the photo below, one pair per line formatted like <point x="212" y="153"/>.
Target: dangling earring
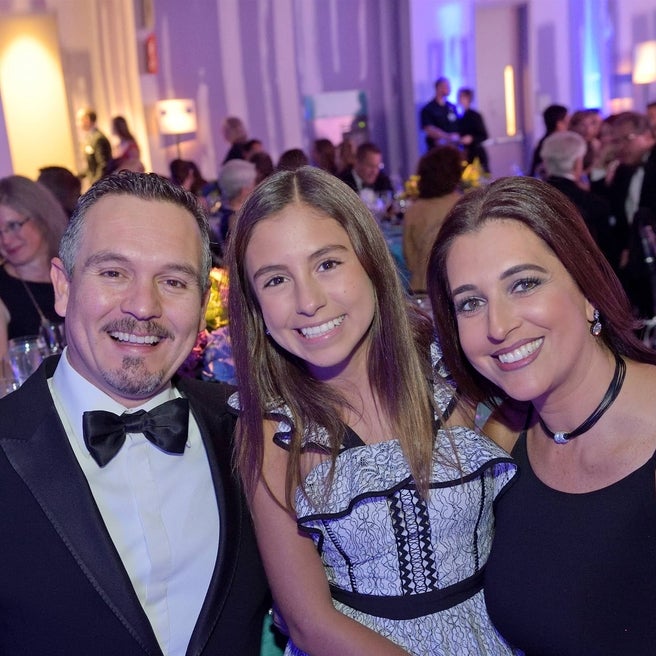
<point x="595" y="324"/>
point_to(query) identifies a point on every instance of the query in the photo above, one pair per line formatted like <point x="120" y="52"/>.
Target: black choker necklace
<point x="561" y="437"/>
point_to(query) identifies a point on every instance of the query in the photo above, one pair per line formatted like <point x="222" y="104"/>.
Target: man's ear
<point x="61" y="284"/>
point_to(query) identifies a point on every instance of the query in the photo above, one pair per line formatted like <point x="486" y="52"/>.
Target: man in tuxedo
<point x="124" y="530"/>
<point x="632" y="193"/>
<point x="563" y="153"/>
<point x="367" y="171"/>
<point x="97" y="149"/>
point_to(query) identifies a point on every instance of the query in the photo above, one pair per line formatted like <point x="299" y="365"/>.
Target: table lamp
<point x="176" y="116"/>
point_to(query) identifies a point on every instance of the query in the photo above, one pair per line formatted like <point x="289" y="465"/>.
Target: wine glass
<point x="25" y="355"/>
<point x="53" y="335"/>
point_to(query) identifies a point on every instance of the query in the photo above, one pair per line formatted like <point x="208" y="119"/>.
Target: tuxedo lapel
<point x="41" y="455"/>
<point x="216" y="427"/>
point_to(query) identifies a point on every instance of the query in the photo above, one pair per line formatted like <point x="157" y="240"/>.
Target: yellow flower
<point x="411" y="187"/>
<point x="473" y="174"/>
<point x="216" y="314"/>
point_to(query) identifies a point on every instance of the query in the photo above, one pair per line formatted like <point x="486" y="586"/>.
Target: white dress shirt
<point x="160" y="509"/>
<point x="635" y="190"/>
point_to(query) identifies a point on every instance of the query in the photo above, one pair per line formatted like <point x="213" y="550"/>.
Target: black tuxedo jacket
<point x="63" y="588"/>
<point x="637" y="277"/>
<point x="381" y="183"/>
<point x="596" y="213"/>
<point x="98" y="152"/>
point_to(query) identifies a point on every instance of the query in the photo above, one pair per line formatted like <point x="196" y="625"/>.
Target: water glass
<point x="53" y="335"/>
<point x="25" y="355"/>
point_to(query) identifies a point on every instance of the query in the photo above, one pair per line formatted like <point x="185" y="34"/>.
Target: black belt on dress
<point x="406" y="607"/>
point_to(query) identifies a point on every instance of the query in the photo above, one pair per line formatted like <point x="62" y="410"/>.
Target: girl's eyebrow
<point x="324" y="250"/>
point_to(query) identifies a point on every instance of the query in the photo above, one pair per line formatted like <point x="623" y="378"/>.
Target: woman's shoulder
<point x="635" y="404"/>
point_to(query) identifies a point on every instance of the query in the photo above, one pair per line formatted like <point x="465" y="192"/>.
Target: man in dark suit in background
<point x="472" y="130"/>
<point x="97" y="149"/>
<point x="367" y="171"/>
<point x="563" y="153"/>
<point x="632" y="193"/>
<point x="124" y="531"/>
<point x="439" y="117"/>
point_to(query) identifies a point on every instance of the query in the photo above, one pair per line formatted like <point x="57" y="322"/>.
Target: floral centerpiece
<point x="473" y="175"/>
<point x="211" y="357"/>
<point x="410" y="188"/>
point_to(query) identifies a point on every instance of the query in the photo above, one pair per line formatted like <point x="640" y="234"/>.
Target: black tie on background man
<point x="124" y="530"/>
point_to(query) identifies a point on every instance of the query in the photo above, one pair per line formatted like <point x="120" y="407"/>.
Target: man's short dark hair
<point x="147" y="186"/>
<point x="365" y="148"/>
<point x="552" y="115"/>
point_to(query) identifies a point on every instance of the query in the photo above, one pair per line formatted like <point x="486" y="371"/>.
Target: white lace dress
<point x="411" y="570"/>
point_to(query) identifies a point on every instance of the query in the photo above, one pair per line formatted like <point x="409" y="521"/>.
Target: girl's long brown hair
<point x="399" y="367"/>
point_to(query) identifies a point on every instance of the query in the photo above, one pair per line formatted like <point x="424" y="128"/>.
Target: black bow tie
<point x="165" y="426"/>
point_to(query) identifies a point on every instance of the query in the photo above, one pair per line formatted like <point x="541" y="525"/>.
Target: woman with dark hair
<point x="439" y="171"/>
<point x="556" y="117"/>
<point x="263" y="165"/>
<point x="292" y="159"/>
<point x="324" y="155"/>
<point x="527" y="308"/>
<point x="372" y="501"/>
<point x="126" y="155"/>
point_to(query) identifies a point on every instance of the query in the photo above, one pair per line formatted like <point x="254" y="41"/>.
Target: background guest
<point x="563" y="154"/>
<point x="186" y="174"/>
<point x="96" y="146"/>
<point x="236" y="180"/>
<point x="587" y="123"/>
<point x="324" y="155"/>
<point x="555" y="118"/>
<point x="63" y="184"/>
<point x="472" y="130"/>
<point x="252" y="147"/>
<point x="439" y="171"/>
<point x="292" y="159"/>
<point x="31" y="224"/>
<point x="234" y="132"/>
<point x="126" y="155"/>
<point x="651" y="116"/>
<point x="632" y="194"/>
<point x="604" y="162"/>
<point x="345" y="155"/>
<point x="263" y="165"/>
<point x="439" y="117"/>
<point x="367" y="171"/>
<point x="528" y="308"/>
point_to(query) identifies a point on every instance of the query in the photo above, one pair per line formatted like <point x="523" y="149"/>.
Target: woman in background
<point x="126" y="155"/>
<point x="324" y="155"/>
<point x="31" y="224"/>
<point x="528" y="309"/>
<point x="439" y="171"/>
<point x="374" y="520"/>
